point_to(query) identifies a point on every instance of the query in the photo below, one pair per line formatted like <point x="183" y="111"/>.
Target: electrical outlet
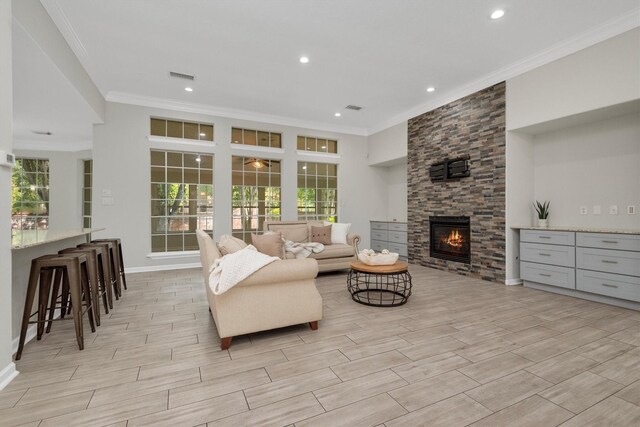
<point x="583" y="210"/>
<point x="613" y="210"/>
<point x="631" y="210"/>
<point x="597" y="209"/>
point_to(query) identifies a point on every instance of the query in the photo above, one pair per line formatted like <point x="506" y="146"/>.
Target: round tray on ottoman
<point x="379" y="285"/>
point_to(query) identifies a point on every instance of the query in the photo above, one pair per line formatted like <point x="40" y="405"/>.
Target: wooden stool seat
<point x="94" y="282"/>
<point x="107" y="268"/>
<point x="118" y="259"/>
<point x="72" y="269"/>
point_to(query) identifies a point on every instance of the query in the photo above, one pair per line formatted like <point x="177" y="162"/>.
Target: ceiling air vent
<point x="181" y="75"/>
<point x="353" y="107"/>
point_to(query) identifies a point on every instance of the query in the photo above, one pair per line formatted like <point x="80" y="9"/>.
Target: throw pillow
<point x="321" y="235"/>
<point x="229" y="244"/>
<point x="339" y="232"/>
<point x="269" y="244"/>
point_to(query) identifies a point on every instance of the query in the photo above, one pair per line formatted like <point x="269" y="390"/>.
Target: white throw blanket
<point x="231" y="269"/>
<point x="303" y="250"/>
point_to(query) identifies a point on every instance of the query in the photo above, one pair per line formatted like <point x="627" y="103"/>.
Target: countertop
<point x="31" y="238"/>
<point x="582" y="229"/>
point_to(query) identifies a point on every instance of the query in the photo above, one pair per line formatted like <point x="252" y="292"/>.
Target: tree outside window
<point x="30" y="194"/>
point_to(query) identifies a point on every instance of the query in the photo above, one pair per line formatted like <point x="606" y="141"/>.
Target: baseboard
<point x="162" y="267"/>
<point x="7" y="375"/>
<point x="513" y="282"/>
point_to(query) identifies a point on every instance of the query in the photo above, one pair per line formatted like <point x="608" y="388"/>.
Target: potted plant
<point x="542" y="210"/>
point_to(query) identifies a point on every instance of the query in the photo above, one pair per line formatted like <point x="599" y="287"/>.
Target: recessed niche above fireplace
<point x="450" y="238"/>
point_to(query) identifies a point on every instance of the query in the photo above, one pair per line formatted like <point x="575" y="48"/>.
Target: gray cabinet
<point x="606" y="264"/>
<point x="548" y="257"/>
<point x="391" y="236"/>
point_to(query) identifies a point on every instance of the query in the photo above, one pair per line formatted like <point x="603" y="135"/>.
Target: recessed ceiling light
<point x="431" y="89"/>
<point x="188" y="89"/>
<point x="337" y="114"/>
<point x="304" y="59"/>
<point x="497" y="14"/>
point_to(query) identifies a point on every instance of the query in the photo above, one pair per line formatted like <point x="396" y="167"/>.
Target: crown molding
<point x="231" y="113"/>
<point x="584" y="40"/>
<point x="30" y="144"/>
<point x="64" y="26"/>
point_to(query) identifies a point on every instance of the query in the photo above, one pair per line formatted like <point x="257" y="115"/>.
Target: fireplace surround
<point x="450" y="238"/>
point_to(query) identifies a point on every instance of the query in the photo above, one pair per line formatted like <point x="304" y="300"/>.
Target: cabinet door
<point x="618" y="262"/>
<point x="378" y="225"/>
<point x="564" y="277"/>
<point x="623" y="242"/>
<point x="548" y="237"/>
<point x="613" y="285"/>
<point x="548" y="254"/>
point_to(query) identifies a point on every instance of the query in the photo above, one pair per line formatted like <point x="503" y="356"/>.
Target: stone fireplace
<point x="450" y="238"/>
<point x="471" y="128"/>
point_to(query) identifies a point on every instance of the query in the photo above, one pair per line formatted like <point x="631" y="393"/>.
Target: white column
<point x="7" y="368"/>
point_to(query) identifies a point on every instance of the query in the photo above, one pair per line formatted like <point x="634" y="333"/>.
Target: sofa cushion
<point x="297" y="232"/>
<point x="339" y="232"/>
<point x="269" y="243"/>
<point x="229" y="244"/>
<point x="335" y="251"/>
<point x="321" y="235"/>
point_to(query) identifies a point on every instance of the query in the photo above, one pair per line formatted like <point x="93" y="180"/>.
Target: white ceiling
<point x="378" y="54"/>
<point x="45" y="101"/>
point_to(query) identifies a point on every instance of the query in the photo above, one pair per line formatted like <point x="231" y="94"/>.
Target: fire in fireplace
<point x="450" y="238"/>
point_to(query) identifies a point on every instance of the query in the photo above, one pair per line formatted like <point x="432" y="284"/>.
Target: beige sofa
<point x="333" y="257"/>
<point x="280" y="294"/>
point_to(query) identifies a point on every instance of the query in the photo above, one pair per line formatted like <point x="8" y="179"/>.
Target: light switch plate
<point x="107" y="201"/>
<point x="613" y="210"/>
<point x="631" y="210"/>
<point x="106" y="192"/>
<point x="583" y="210"/>
<point x="597" y="209"/>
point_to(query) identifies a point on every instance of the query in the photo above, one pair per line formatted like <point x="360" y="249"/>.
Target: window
<point x="318" y="145"/>
<point x="184" y="130"/>
<point x="30" y="195"/>
<point x="317" y="191"/>
<point x="86" y="192"/>
<point x="181" y="199"/>
<point x="256" y="137"/>
<point x="255" y="194"/>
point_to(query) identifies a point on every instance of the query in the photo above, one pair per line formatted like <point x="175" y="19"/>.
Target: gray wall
<point x="121" y="165"/>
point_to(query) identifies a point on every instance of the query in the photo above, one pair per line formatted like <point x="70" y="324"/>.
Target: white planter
<point x="543" y="223"/>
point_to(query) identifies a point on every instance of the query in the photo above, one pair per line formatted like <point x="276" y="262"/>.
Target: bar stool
<point x="94" y="283"/>
<point x="107" y="266"/>
<point x="72" y="269"/>
<point x="117" y="245"/>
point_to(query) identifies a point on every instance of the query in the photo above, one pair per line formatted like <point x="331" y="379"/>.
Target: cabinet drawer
<point x="376" y="225"/>
<point x="548" y="254"/>
<point x="397" y="226"/>
<point x="563" y="277"/>
<point x="550" y="237"/>
<point x="618" y="262"/>
<point x="377" y="245"/>
<point x="624" y="242"/>
<point x="613" y="285"/>
<point x="378" y="234"/>
<point x="399" y="249"/>
<point x="397" y="236"/>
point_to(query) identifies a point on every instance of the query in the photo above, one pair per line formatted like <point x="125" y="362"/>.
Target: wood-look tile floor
<point x="460" y="352"/>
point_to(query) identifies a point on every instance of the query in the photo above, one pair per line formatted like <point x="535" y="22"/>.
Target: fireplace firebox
<point x="450" y="238"/>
